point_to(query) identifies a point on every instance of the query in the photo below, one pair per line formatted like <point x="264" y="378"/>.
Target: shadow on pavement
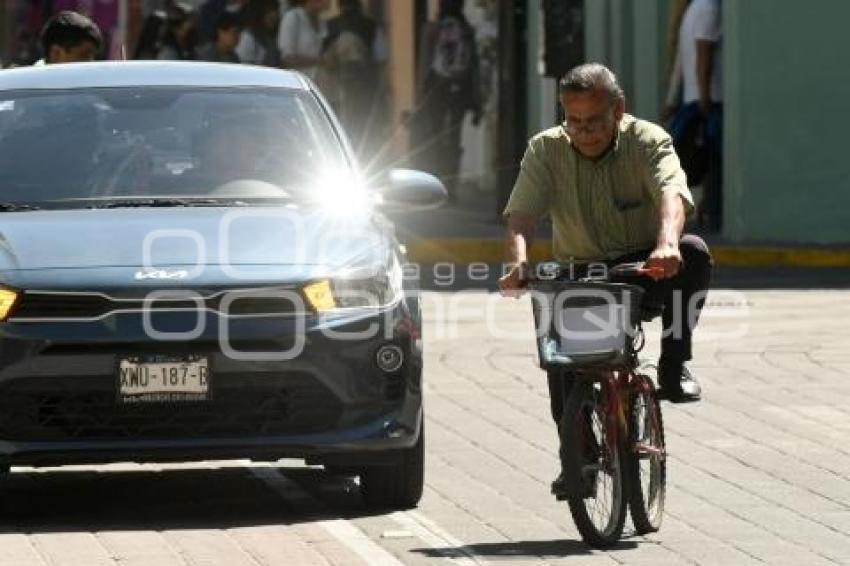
<point x="83" y="501"/>
<point x="544" y="549"/>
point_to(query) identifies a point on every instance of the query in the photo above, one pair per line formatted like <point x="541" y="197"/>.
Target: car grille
<point x="87" y="408"/>
<point x="394" y="386"/>
<point x="44" y="305"/>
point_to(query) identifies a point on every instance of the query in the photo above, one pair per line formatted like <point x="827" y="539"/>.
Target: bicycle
<point x="613" y="450"/>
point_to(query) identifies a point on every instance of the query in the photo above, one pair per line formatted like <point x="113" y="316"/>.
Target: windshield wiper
<point x="16" y="207"/>
<point x="163" y="202"/>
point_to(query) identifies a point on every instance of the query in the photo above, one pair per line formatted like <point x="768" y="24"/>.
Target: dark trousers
<point x="703" y="167"/>
<point x="679" y="295"/>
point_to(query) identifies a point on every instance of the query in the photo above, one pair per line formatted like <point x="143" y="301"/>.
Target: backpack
<point x="452" y="53"/>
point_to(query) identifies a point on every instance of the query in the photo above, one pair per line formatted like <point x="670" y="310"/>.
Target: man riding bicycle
<point x="615" y="192"/>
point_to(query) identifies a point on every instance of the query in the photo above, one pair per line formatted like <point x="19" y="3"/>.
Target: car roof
<point x="148" y="73"/>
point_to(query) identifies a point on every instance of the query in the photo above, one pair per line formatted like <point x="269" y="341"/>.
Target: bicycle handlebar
<point x="554" y="271"/>
<point x="636" y="270"/>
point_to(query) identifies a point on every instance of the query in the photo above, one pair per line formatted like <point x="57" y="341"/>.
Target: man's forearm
<point x="520" y="235"/>
<point x="672" y="220"/>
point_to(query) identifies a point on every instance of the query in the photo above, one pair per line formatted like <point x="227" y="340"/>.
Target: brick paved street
<point x="759" y="471"/>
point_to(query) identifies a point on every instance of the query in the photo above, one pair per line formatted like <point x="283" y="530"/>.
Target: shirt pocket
<point x="636" y="221"/>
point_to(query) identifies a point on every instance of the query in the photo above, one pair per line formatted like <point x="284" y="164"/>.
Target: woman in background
<point x="179" y="40"/>
<point x="257" y="44"/>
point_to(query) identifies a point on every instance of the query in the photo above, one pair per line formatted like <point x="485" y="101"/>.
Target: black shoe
<point x="561" y="489"/>
<point x="678" y="385"/>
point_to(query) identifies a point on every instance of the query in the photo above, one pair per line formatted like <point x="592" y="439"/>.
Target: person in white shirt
<point x="700" y="49"/>
<point x="301" y="37"/>
<point x="257" y="44"/>
<point x="699" y="120"/>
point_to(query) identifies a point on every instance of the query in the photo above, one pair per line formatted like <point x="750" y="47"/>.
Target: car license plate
<point x="163" y="379"/>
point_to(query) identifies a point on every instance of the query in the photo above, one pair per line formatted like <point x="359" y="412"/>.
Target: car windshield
<point x="163" y="142"/>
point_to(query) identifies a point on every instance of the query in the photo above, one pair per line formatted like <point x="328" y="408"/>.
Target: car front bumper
<point x="59" y="401"/>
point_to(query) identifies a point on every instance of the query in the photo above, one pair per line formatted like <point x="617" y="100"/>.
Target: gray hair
<point x="592" y="76"/>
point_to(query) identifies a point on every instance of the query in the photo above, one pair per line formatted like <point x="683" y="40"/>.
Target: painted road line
<point x="436" y="537"/>
<point x="342" y="530"/>
<point x="423" y="528"/>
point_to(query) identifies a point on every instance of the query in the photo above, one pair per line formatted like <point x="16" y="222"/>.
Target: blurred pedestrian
<point x="150" y="37"/>
<point x="697" y="127"/>
<point x="301" y="35"/>
<point x="354" y="53"/>
<point x="223" y="49"/>
<point x="180" y="37"/>
<point x="208" y="15"/>
<point x="69" y="37"/>
<point x="448" y="89"/>
<point x="258" y="42"/>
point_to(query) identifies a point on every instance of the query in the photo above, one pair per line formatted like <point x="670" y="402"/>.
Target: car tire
<point x="396" y="486"/>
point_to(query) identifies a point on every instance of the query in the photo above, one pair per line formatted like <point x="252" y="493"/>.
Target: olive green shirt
<point x="606" y="208"/>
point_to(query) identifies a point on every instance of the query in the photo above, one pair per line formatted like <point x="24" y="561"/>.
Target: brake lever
<point x="653" y="272"/>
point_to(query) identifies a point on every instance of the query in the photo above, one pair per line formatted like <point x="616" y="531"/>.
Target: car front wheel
<point x="398" y="485"/>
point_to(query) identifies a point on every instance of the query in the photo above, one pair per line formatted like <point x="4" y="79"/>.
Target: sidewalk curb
<point x="470" y="250"/>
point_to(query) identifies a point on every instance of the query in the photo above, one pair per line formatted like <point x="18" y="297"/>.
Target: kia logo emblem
<point x="161" y="274"/>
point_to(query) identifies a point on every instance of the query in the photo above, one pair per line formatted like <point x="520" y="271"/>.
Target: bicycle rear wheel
<point x="594" y="468"/>
<point x="647" y="460"/>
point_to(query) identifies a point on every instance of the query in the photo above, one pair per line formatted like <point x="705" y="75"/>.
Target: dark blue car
<point x="192" y="267"/>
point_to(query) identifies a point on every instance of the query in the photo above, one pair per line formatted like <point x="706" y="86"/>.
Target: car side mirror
<point x="408" y="189"/>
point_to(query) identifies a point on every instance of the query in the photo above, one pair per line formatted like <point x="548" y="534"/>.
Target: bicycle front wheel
<point x="648" y="460"/>
<point x="594" y="468"/>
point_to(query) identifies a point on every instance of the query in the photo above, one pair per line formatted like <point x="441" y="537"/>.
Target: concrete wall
<point x="788" y="87"/>
<point x="630" y="38"/>
<point x="542" y="99"/>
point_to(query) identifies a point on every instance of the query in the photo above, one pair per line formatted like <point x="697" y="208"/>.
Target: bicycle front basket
<point x="585" y="323"/>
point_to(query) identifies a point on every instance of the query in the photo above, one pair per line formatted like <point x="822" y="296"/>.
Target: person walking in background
<point x="209" y="14"/>
<point x="69" y="37"/>
<point x="697" y="127"/>
<point x="223" y="49"/>
<point x="301" y="37"/>
<point x="258" y="42"/>
<point x="150" y="37"/>
<point x="354" y="53"/>
<point x="180" y="36"/>
<point x="448" y="89"/>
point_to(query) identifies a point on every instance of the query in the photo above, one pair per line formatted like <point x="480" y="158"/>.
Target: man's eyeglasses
<point x="591" y="126"/>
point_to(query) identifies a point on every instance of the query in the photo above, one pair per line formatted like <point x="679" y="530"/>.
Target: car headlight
<point x="355" y="290"/>
<point x="8" y="299"/>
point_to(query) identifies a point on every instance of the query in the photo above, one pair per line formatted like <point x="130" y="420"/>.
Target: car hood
<point x="269" y="239"/>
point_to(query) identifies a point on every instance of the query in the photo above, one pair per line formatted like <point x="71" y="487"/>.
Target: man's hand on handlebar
<point x="513" y="283"/>
<point x="666" y="260"/>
